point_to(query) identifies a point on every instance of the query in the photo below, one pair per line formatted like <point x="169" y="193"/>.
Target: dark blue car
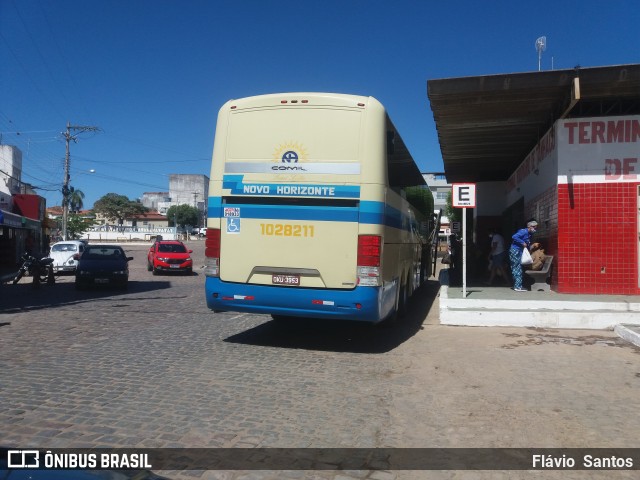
<point x="103" y="265"/>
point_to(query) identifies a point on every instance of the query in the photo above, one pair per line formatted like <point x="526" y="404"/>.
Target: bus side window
<point x="391" y="138"/>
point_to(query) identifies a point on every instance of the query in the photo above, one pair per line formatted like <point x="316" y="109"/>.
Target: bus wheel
<point x="403" y="299"/>
<point x="394" y="318"/>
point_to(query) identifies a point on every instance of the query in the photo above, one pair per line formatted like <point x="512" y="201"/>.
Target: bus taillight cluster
<point x="212" y="253"/>
<point x="369" y="253"/>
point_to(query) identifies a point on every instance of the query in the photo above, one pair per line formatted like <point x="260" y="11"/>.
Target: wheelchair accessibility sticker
<point x="233" y="225"/>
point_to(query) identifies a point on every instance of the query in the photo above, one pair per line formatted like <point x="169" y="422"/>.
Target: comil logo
<point x="290" y="152"/>
<point x="290" y="157"/>
<point x="23" y="458"/>
<point x="288" y="168"/>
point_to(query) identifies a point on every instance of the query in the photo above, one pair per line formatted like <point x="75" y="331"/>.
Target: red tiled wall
<point x="598" y="239"/>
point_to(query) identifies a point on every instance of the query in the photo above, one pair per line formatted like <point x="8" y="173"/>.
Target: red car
<point x="169" y="256"/>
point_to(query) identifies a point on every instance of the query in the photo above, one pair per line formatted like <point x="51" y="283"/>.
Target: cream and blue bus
<point x="316" y="209"/>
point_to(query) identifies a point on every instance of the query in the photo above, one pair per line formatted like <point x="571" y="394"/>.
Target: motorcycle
<point x="41" y="270"/>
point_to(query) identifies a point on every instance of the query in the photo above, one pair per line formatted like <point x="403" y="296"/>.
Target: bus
<point x="316" y="209"/>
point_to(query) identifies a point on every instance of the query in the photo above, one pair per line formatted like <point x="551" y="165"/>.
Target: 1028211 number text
<point x="284" y="230"/>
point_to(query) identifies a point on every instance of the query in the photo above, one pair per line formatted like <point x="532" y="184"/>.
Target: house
<point x="150" y="220"/>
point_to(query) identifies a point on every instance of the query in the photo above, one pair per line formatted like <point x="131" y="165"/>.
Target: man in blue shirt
<point x="519" y="241"/>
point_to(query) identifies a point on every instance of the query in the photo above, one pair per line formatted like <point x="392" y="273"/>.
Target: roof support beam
<point x="575" y="97"/>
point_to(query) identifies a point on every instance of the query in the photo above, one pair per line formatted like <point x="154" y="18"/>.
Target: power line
<point x="42" y="57"/>
<point x="64" y="60"/>
<point x="24" y="69"/>
<point x="123" y="180"/>
<point x="33" y="153"/>
<point x="20" y="132"/>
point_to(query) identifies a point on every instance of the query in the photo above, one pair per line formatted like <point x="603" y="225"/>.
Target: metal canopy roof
<point x="487" y="125"/>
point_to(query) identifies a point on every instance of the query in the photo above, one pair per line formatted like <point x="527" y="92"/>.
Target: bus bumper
<point x="365" y="304"/>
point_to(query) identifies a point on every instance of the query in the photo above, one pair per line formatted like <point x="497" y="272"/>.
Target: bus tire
<point x="403" y="299"/>
<point x="398" y="312"/>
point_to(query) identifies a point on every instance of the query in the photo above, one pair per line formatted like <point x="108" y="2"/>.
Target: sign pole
<point x="463" y="196"/>
<point x="464" y="252"/>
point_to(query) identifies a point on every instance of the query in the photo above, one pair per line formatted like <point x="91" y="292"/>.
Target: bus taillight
<point x="212" y="253"/>
<point x="369" y="253"/>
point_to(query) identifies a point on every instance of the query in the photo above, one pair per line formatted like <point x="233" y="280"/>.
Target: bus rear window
<point x="295" y="134"/>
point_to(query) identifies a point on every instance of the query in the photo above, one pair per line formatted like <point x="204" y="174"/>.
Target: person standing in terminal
<point x="519" y="241"/>
<point x="497" y="257"/>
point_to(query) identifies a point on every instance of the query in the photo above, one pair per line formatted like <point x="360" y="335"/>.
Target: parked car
<point x="103" y="265"/>
<point x="169" y="256"/>
<point x="65" y="255"/>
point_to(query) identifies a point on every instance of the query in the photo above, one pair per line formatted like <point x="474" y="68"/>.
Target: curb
<point x="570" y="314"/>
<point x="630" y="333"/>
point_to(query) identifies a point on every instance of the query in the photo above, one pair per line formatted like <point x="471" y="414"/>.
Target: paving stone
<point x="153" y="368"/>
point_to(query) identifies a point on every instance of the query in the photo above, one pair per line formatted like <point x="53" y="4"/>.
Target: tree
<point x="77" y="225"/>
<point x="453" y="214"/>
<point x="75" y="199"/>
<point x="183" y="215"/>
<point x="118" y="207"/>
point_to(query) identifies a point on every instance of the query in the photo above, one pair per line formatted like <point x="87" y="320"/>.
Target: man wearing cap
<point x="519" y="241"/>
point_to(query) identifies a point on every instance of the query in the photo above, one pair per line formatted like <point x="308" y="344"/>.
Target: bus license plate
<point x="285" y="279"/>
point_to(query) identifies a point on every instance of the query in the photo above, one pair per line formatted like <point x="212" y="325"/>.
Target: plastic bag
<point x="446" y="260"/>
<point x="526" y="257"/>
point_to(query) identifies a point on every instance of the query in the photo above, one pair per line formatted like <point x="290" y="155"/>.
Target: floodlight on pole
<point x="541" y="46"/>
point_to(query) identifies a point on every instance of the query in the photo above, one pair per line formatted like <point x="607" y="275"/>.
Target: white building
<point x="152" y="199"/>
<point x="10" y="174"/>
<point x="184" y="189"/>
<point x="440" y="189"/>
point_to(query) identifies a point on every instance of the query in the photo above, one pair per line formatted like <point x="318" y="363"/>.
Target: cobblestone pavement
<point x="152" y="367"/>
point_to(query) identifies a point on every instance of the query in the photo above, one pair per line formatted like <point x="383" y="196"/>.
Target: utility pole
<point x="195" y="204"/>
<point x="65" y="186"/>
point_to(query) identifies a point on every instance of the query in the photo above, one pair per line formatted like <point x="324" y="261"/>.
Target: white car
<point x="65" y="255"/>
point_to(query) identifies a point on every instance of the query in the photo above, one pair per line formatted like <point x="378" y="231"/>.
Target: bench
<point x="540" y="276"/>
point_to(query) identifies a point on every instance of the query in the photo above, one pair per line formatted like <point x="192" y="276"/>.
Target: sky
<point x="152" y="75"/>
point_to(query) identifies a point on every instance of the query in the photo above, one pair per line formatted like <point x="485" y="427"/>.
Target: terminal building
<point x="560" y="146"/>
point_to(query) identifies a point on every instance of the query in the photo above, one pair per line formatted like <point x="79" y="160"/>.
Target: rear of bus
<point x="290" y="230"/>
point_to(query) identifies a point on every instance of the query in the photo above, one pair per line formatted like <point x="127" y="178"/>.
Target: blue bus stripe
<point x="288" y="212"/>
<point x="237" y="186"/>
<point x="369" y="212"/>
